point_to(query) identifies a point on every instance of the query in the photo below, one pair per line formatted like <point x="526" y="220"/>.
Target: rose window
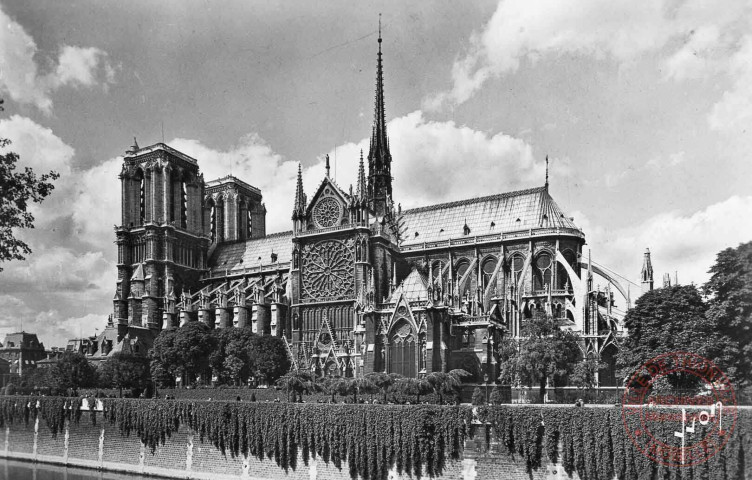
<point x="328" y="270"/>
<point x="327" y="212"/>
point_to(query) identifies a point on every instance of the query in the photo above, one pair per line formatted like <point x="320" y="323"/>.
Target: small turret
<point x="298" y="209"/>
<point x="361" y="192"/>
<point x="647" y="272"/>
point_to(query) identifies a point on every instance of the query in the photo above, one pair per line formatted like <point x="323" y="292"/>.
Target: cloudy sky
<point x="644" y="108"/>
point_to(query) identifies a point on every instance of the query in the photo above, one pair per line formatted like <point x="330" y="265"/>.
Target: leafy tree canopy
<point x="72" y="371"/>
<point x="730" y="309"/>
<point x="543" y="353"/>
<point x="269" y="358"/>
<point x="669" y="320"/>
<point x="182" y="352"/>
<point x="17" y="191"/>
<point x="122" y="370"/>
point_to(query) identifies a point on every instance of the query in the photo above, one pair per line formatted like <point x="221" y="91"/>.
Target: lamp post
<point x="485" y="382"/>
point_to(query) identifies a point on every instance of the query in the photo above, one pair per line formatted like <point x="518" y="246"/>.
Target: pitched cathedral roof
<point x="414" y="287"/>
<point x="501" y="213"/>
<point x="252" y="253"/>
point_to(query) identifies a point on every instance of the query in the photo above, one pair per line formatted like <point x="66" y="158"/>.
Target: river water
<point x="17" y="470"/>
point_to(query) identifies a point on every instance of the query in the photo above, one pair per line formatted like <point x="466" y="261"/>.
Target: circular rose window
<point x="327" y="212"/>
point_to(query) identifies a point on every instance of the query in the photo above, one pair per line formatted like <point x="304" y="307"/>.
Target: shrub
<point x="496" y="397"/>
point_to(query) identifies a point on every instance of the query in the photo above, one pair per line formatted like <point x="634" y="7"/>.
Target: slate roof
<point x="245" y="254"/>
<point x="506" y="212"/>
<point x="414" y="286"/>
<point x="22" y="340"/>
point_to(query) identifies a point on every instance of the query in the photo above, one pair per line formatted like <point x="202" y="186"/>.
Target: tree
<point x="669" y="320"/>
<point x="356" y="386"/>
<point x="330" y="386"/>
<point x="17" y="190"/>
<point x="71" y="372"/>
<point x="730" y="309"/>
<point x="585" y="372"/>
<point x="446" y="383"/>
<point x="478" y="398"/>
<point x="183" y="352"/>
<point x="36" y="379"/>
<point x="497" y="398"/>
<point x="230" y="360"/>
<point x="383" y="381"/>
<point x="268" y="357"/>
<point x="544" y="353"/>
<point x="295" y="383"/>
<point x="414" y="386"/>
<point x="123" y="370"/>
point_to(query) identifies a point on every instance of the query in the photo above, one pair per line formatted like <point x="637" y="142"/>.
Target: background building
<point x="22" y="350"/>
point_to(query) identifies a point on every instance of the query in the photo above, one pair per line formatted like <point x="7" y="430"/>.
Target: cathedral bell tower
<point x="379" y="157"/>
<point x="162" y="246"/>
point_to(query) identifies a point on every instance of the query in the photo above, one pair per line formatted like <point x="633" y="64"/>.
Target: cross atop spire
<point x="379" y="32"/>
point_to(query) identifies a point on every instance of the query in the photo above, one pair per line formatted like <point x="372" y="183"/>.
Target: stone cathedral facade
<point x="358" y="285"/>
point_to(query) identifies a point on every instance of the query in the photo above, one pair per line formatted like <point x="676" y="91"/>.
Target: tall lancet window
<point x="249" y="232"/>
<point x="184" y="205"/>
<point x="213" y="222"/>
<point x="142" y="201"/>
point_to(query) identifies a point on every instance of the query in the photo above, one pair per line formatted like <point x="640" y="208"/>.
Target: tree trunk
<point x="542" y="393"/>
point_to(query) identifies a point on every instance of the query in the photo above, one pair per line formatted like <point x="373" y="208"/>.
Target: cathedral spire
<point x="546" y="172"/>
<point x="300" y="200"/>
<point x="379" y="158"/>
<point x="361" y="185"/>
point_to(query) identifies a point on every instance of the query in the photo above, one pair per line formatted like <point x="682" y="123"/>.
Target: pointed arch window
<point x="489" y="267"/>
<point x="543" y="271"/>
<point x="461" y="269"/>
<point x="402" y="350"/>
<point x="517" y="263"/>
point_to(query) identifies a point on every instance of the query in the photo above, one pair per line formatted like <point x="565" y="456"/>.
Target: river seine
<point x="17" y="470"/>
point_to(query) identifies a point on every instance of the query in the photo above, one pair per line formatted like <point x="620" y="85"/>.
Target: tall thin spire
<point x="361" y="186"/>
<point x="300" y="201"/>
<point x="379" y="157"/>
<point x="546" y="172"/>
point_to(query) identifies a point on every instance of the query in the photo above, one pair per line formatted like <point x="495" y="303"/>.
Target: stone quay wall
<point x="184" y="456"/>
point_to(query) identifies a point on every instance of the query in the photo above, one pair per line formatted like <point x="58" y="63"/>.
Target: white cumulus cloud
<point x="520" y="30"/>
<point x="21" y="78"/>
<point x="683" y="243"/>
<point x="423" y="153"/>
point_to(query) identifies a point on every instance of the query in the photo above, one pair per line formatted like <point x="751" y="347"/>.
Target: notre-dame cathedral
<point x="358" y="285"/>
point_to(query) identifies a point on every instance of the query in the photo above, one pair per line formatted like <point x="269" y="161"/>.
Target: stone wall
<point x="184" y="456"/>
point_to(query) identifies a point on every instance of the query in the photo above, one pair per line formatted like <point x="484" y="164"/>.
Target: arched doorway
<point x="402" y="350"/>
